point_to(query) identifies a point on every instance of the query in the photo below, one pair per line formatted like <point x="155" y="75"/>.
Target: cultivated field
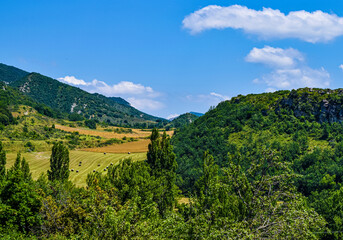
<point x="136" y="133"/>
<point x="140" y="146"/>
<point x="40" y="163"/>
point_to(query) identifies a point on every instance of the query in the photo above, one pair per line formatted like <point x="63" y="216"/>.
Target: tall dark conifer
<point x="59" y="163"/>
<point x="2" y="161"/>
<point x="162" y="162"/>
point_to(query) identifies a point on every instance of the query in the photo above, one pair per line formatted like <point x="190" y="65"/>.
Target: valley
<point x="284" y="147"/>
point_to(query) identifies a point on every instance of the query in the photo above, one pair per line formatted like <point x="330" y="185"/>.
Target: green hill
<point x="302" y="128"/>
<point x="71" y="100"/>
<point x="11" y="74"/>
<point x="183" y="120"/>
<point x="280" y="114"/>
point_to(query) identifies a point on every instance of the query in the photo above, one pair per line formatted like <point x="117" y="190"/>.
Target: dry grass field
<point x="40" y="162"/>
<point x="140" y="146"/>
<point x="136" y="133"/>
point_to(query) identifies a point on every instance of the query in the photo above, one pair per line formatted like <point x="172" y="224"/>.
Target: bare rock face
<point x="323" y="104"/>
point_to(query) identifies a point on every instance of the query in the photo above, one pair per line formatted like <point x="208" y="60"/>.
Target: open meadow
<point x="136" y="133"/>
<point x="40" y="163"/>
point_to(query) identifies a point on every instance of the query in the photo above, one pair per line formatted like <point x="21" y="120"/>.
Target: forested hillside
<point x="11" y="74"/>
<point x="68" y="100"/>
<point x="74" y="100"/>
<point x="301" y="128"/>
<point x="183" y="120"/>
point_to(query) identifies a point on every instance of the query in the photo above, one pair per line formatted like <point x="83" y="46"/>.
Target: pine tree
<point x="59" y="163"/>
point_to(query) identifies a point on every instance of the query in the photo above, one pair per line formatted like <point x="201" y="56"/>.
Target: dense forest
<point x="260" y="166"/>
<point x="139" y="200"/>
<point x="301" y="129"/>
<point x="182" y="120"/>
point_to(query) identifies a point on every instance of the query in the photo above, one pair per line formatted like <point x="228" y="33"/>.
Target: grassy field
<point x="40" y="163"/>
<point x="132" y="147"/>
<point x="136" y="133"/>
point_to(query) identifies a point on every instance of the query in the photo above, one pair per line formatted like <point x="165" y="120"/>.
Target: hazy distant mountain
<point x="197" y="114"/>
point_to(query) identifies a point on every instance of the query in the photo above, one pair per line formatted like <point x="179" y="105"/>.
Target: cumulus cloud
<point x="172" y="116"/>
<point x="288" y="69"/>
<point x="219" y="96"/>
<point x="341" y="66"/>
<point x="145" y="103"/>
<point x="210" y="99"/>
<point x="267" y="23"/>
<point x="139" y="96"/>
<point x="297" y="78"/>
<point x="275" y="57"/>
<point x="73" y="81"/>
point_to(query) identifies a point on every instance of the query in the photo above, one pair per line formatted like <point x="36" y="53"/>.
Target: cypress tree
<point x="59" y="163"/>
<point x="2" y="161"/>
<point x="162" y="162"/>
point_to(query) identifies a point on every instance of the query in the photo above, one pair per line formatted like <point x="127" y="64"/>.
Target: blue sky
<point x="170" y="57"/>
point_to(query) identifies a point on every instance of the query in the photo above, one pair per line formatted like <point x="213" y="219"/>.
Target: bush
<point x="30" y="146"/>
<point x="91" y="124"/>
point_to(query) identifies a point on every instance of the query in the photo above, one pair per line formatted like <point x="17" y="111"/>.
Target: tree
<point x="161" y="157"/>
<point x="260" y="202"/>
<point x="161" y="160"/>
<point x="209" y="177"/>
<point x="2" y="161"/>
<point x="59" y="163"/>
<point x="20" y="201"/>
<point x="91" y="124"/>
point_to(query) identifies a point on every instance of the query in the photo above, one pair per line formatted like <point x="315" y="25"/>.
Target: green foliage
<point x="11" y="74"/>
<point x="19" y="200"/>
<point x="64" y="98"/>
<point x="162" y="162"/>
<point x="91" y="124"/>
<point x="2" y="162"/>
<point x="59" y="163"/>
<point x="183" y="120"/>
<point x="260" y="203"/>
<point x="75" y="117"/>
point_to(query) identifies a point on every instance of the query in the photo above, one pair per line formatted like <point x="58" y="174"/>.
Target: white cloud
<point x="288" y="69"/>
<point x="275" y="57"/>
<point x="270" y="90"/>
<point x="219" y="96"/>
<point x="267" y="23"/>
<point x="172" y="116"/>
<point x="125" y="87"/>
<point x="341" y="66"/>
<point x="145" y="103"/>
<point x="208" y="99"/>
<point x="139" y="96"/>
<point x="297" y="78"/>
<point x="72" y="80"/>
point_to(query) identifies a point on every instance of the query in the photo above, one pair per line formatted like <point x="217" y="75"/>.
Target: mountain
<point x="72" y="100"/>
<point x="197" y="114"/>
<point x="11" y="74"/>
<point x="183" y="120"/>
<point x="314" y="113"/>
<point x="301" y="129"/>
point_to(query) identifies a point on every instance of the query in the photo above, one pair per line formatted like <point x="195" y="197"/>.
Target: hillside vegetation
<point x="68" y="99"/>
<point x="301" y="128"/>
<point x="182" y="120"/>
<point x="55" y="99"/>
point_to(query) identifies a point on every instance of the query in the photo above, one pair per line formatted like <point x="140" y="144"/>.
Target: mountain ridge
<point x="69" y="99"/>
